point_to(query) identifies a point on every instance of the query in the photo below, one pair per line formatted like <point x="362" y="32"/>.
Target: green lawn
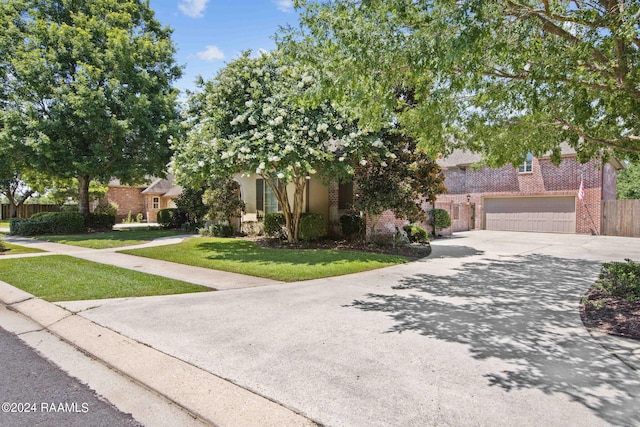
<point x="4" y="223"/>
<point x="11" y="249"/>
<point x="111" y="239"/>
<point x="241" y="256"/>
<point x="63" y="278"/>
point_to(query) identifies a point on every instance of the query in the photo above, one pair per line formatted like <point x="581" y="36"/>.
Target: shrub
<point x="416" y="234"/>
<point x="274" y="225"/>
<point x="48" y="223"/>
<point x="69" y="208"/>
<point x="220" y="230"/>
<point x="353" y="224"/>
<point x="440" y="219"/>
<point x="169" y="218"/>
<point x="102" y="221"/>
<point x="106" y="208"/>
<point x="621" y="279"/>
<point x="312" y="226"/>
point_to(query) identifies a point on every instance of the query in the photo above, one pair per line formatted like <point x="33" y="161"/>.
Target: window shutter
<point x="345" y="195"/>
<point x="260" y="194"/>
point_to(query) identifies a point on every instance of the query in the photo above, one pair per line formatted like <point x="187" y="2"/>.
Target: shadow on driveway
<point x="442" y="251"/>
<point x="525" y="311"/>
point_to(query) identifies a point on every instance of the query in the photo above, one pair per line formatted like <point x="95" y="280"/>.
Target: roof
<point x="463" y="158"/>
<point x="160" y="186"/>
<point x="163" y="187"/>
<point x="115" y="182"/>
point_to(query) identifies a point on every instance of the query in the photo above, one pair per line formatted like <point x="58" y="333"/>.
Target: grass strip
<point x="11" y="249"/>
<point x="110" y="239"/>
<point x="64" y="278"/>
<point x="246" y="257"/>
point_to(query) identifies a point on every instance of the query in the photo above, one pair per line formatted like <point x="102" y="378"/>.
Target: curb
<point x="203" y="395"/>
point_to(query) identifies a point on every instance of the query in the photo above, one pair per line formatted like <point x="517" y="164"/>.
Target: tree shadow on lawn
<point x="525" y="311"/>
<point x="239" y="250"/>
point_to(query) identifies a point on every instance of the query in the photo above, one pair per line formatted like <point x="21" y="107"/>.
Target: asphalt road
<point x="34" y="392"/>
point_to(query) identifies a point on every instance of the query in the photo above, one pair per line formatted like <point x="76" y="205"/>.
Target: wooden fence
<point x="25" y="211"/>
<point x="621" y="218"/>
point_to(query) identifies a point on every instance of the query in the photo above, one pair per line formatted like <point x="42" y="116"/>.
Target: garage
<point x="537" y="214"/>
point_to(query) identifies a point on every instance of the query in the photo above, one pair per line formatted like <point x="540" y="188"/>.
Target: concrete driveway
<point x="486" y="331"/>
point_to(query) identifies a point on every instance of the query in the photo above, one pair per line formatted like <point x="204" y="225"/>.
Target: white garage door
<point x="539" y="214"/>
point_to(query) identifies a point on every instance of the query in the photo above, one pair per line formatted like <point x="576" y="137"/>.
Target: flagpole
<point x="581" y="198"/>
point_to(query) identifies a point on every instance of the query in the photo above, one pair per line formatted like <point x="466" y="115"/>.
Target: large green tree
<point x="504" y="77"/>
<point x="87" y="86"/>
<point x="629" y="182"/>
<point x="248" y="119"/>
<point x="402" y="183"/>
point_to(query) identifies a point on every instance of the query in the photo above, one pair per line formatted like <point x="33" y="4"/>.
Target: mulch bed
<point x="413" y="250"/>
<point x="610" y="315"/>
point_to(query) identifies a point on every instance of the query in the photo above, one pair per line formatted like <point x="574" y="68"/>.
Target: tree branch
<point x="550" y="27"/>
<point x="523" y="76"/>
<point x="612" y="143"/>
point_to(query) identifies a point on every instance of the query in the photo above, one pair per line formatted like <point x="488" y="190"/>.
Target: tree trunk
<point x="13" y="210"/>
<point x="291" y="216"/>
<point x="298" y="202"/>
<point x="14" y="205"/>
<point x="83" y="196"/>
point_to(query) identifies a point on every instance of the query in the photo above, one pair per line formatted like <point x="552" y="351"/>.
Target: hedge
<point x="48" y="223"/>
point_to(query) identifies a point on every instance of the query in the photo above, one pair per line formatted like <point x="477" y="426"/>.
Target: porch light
<point x="468" y="198"/>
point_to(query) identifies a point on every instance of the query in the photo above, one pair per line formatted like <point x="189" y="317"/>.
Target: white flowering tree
<point x="250" y="119"/>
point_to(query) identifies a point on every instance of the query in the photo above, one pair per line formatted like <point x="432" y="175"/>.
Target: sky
<point x="210" y="33"/>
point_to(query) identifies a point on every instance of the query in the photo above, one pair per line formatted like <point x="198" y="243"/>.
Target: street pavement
<point x="34" y="391"/>
<point x="485" y="331"/>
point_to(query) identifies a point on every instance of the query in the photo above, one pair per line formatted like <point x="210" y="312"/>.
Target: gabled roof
<point x="163" y="187"/>
<point x="160" y="186"/>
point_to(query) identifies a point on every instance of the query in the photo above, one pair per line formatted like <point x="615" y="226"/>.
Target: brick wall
<point x="546" y="179"/>
<point x="128" y="199"/>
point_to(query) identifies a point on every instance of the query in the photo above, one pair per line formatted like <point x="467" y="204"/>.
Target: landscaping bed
<point x="610" y="314"/>
<point x="612" y="304"/>
<point x="412" y="250"/>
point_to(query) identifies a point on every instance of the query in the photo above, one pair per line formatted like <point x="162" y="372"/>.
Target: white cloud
<point x="285" y="6"/>
<point x="211" y="53"/>
<point x="193" y="8"/>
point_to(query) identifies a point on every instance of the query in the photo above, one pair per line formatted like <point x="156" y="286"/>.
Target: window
<point x="155" y="203"/>
<point x="527" y="165"/>
<point x="266" y="200"/>
<point x="270" y="201"/>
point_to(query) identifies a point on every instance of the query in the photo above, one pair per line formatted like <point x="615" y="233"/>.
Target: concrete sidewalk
<point x="484" y="332"/>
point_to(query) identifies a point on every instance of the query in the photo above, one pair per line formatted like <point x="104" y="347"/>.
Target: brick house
<point x="536" y="196"/>
<point x="146" y="199"/>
